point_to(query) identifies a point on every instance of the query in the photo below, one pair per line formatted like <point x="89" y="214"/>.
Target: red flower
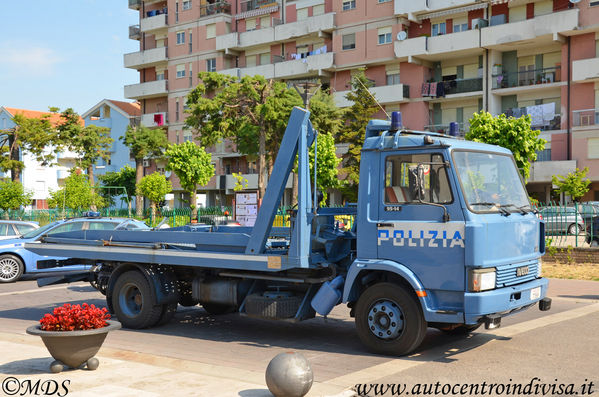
<point x="75" y="317"/>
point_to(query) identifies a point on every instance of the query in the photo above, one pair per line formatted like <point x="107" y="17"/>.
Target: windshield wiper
<point x="503" y="211"/>
<point x="521" y="208"/>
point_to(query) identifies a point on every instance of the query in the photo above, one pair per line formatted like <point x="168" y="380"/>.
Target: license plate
<point x="535" y="293"/>
<point x="522" y="271"/>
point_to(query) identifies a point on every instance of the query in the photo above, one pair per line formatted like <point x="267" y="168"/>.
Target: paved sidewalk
<point x="126" y="373"/>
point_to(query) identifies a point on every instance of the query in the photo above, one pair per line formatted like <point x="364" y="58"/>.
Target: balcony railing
<point x="585" y="117"/>
<point x="219" y="7"/>
<point x="460" y="86"/>
<point x="540" y="121"/>
<point x="463" y="128"/>
<point x="135" y="4"/>
<point x="255" y="4"/>
<point x="527" y="78"/>
<point x="134" y="32"/>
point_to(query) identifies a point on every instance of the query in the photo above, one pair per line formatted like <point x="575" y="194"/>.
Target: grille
<point x="506" y="274"/>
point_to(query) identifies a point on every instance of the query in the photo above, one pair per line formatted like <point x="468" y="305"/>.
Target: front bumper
<point x="502" y="301"/>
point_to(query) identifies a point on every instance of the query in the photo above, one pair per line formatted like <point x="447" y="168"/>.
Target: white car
<point x="13" y="229"/>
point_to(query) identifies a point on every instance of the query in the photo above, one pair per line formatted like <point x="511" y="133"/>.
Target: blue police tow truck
<point x="444" y="237"/>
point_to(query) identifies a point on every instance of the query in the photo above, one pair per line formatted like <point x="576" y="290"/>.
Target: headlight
<point x="482" y="279"/>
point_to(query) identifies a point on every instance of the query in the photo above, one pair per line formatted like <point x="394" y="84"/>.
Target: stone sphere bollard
<point x="289" y="375"/>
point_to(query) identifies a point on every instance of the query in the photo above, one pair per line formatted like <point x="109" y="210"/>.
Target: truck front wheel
<point x="389" y="319"/>
<point x="132" y="301"/>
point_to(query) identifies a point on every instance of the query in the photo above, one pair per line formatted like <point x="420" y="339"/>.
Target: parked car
<point x="16" y="260"/>
<point x="592" y="232"/>
<point x="13" y="229"/>
<point x="562" y="220"/>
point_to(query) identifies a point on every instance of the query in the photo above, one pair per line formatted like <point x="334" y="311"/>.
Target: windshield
<point x="490" y="182"/>
<point x="40" y="231"/>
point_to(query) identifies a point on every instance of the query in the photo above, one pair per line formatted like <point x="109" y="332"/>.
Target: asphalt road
<point x="559" y="346"/>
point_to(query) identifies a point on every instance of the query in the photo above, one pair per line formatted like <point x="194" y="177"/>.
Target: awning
<point x="452" y="11"/>
<point x="258" y="11"/>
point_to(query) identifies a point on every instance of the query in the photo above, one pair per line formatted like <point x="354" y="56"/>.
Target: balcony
<point x="135" y="4"/>
<point x="585" y="118"/>
<point x="309" y="66"/>
<point x="154" y="23"/>
<point x="431" y="47"/>
<point x="250" y="5"/>
<point x="586" y="70"/>
<point x="150" y="89"/>
<point x="383" y="94"/>
<point x="545" y="25"/>
<point x="279" y="33"/>
<point x="67" y="155"/>
<point x="460" y="87"/>
<point x="220" y="7"/>
<point x="62" y="174"/>
<point x="145" y="59"/>
<point x="542" y="171"/>
<point x="154" y="119"/>
<point x="528" y="78"/>
<point x="134" y="32"/>
<point x="551" y="121"/>
<point x="416" y="6"/>
<point x="463" y="128"/>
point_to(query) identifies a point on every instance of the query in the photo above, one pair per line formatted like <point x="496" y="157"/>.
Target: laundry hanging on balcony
<point x="159" y="119"/>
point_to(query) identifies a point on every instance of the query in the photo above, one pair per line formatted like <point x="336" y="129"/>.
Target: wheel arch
<point x="18" y="257"/>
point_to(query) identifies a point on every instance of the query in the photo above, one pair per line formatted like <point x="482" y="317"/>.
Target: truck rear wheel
<point x="389" y="319"/>
<point x="132" y="301"/>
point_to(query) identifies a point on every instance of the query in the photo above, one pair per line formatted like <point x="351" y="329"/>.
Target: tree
<point x="91" y="143"/>
<point x="154" y="187"/>
<point x="251" y="112"/>
<point x="327" y="163"/>
<point x="13" y="196"/>
<point x="574" y="184"/>
<point x="193" y="166"/>
<point x="31" y="135"/>
<point x="353" y="132"/>
<point x="143" y="142"/>
<point x="125" y="178"/>
<point x="510" y="133"/>
<point x="76" y="194"/>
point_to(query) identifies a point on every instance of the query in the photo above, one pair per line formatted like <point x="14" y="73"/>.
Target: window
<point x="265" y="58"/>
<point x="302" y="14"/>
<point x="415" y="177"/>
<point x="177" y="109"/>
<point x="265" y="22"/>
<point x="180" y="71"/>
<point x="67" y="227"/>
<point x="190" y="74"/>
<point x="460" y="25"/>
<point x="250" y="61"/>
<point x="594" y="3"/>
<point x="593" y="148"/>
<point x="349" y="5"/>
<point x="393" y="79"/>
<point x="302" y="51"/>
<point x="318" y="10"/>
<point x="349" y="41"/>
<point x="383" y="1"/>
<point x="211" y="65"/>
<point x="544" y="155"/>
<point x="438" y="29"/>
<point x="180" y="37"/>
<point x="102" y="225"/>
<point x="190" y="42"/>
<point x="385" y="35"/>
<point x="160" y="75"/>
<point x="186" y="5"/>
<point x="187" y="137"/>
<point x="24" y="228"/>
<point x="250" y="24"/>
<point x="211" y="31"/>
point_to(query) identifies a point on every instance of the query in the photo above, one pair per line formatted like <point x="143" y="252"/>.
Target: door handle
<point x="384" y="225"/>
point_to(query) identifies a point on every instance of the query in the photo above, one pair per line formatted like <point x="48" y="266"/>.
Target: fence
<point x="570" y="225"/>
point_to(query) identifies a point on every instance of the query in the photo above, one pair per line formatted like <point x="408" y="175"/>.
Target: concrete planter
<point x="74" y="348"/>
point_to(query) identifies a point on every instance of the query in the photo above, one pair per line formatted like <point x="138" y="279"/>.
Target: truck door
<point x="416" y="191"/>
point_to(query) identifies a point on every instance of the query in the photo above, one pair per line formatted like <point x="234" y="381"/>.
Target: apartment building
<point x="435" y="60"/>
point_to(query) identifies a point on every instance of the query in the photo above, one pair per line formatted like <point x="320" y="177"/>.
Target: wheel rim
<point x="9" y="268"/>
<point x="131" y="300"/>
<point x="385" y="319"/>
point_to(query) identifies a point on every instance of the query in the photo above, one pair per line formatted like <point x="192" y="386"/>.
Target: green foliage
<point x="76" y="194"/>
<point x="353" y="131"/>
<point x="325" y="116"/>
<point x="31" y="135"/>
<point x="510" y="133"/>
<point x="192" y="165"/>
<point x="125" y="178"/>
<point x="574" y="184"/>
<point x="327" y="163"/>
<point x="154" y="187"/>
<point x="251" y="112"/>
<point x="240" y="182"/>
<point x="13" y="195"/>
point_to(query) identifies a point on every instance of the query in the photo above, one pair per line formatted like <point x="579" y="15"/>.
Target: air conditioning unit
<point x="146" y="163"/>
<point x="479" y="23"/>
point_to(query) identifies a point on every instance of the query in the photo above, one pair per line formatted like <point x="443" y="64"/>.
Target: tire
<point x="376" y="309"/>
<point x="574" y="229"/>
<point x="218" y="308"/>
<point x="11" y="268"/>
<point x="132" y="301"/>
<point x="168" y="312"/>
<point x="187" y="300"/>
<point x="462" y="329"/>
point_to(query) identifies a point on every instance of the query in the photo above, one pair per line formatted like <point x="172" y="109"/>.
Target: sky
<point x="64" y="53"/>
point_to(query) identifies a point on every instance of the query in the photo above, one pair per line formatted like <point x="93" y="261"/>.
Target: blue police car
<point x="16" y="260"/>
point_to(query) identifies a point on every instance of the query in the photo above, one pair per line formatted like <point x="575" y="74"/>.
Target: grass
<point x="577" y="271"/>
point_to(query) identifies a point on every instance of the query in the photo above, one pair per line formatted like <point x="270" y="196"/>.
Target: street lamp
<point x="306" y="90"/>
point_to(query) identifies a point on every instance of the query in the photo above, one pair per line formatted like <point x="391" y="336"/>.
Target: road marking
<point x="41" y="289"/>
<point x="394" y="366"/>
